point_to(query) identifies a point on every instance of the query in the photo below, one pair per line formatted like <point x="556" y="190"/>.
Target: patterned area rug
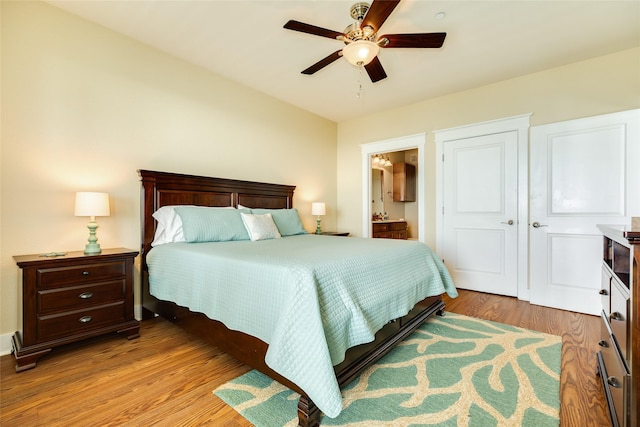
<point x="453" y="371"/>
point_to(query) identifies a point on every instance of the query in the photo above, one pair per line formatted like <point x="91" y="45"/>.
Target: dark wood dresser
<point x="389" y="230"/>
<point x="72" y="297"/>
<point x="619" y="355"/>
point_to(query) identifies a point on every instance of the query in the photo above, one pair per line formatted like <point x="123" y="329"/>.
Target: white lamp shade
<point x="360" y="52"/>
<point x="318" y="209"/>
<point x="92" y="204"/>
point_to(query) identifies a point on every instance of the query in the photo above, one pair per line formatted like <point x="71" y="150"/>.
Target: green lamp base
<point x="93" y="247"/>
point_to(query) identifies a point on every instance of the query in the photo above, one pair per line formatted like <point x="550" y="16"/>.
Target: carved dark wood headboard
<point x="164" y="188"/>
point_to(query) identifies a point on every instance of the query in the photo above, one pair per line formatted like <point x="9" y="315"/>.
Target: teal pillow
<point x="287" y="220"/>
<point x="202" y="224"/>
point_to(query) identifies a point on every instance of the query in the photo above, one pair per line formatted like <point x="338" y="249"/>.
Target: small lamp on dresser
<point x="318" y="209"/>
<point x="92" y="204"/>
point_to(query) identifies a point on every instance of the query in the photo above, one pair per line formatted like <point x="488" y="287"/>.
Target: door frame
<point x="410" y="142"/>
<point x="521" y="125"/>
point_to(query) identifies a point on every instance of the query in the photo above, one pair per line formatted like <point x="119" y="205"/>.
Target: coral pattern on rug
<point x="452" y="371"/>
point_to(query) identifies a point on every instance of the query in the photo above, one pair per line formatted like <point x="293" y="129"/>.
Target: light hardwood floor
<point x="166" y="378"/>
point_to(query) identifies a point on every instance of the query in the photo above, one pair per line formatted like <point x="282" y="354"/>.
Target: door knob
<point x="510" y="222"/>
<point x="538" y="225"/>
<point x="616" y="316"/>
<point x="613" y="382"/>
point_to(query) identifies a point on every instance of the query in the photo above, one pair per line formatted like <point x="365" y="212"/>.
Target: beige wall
<point x="602" y="85"/>
<point x="83" y="108"/>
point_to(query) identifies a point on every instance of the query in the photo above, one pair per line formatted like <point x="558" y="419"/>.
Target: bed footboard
<point x="252" y="351"/>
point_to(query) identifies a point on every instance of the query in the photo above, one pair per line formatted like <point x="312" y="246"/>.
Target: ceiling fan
<point x="362" y="40"/>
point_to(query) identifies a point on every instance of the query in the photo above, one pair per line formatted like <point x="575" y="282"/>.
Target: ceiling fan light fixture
<point x="360" y="52"/>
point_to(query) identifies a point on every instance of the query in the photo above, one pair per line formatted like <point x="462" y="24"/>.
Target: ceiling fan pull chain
<point x="359" y="95"/>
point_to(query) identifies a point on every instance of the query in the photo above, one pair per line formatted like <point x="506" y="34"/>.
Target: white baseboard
<point x="5" y="344"/>
<point x="5" y="339"/>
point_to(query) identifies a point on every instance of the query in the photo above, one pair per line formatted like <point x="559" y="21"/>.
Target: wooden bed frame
<point x="161" y="189"/>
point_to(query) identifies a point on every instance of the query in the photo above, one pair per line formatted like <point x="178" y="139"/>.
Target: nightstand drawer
<point x="81" y="296"/>
<point x="64" y="276"/>
<point x="69" y="323"/>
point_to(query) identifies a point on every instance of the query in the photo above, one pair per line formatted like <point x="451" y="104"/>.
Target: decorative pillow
<point x="201" y="224"/>
<point x="287" y="220"/>
<point x="260" y="227"/>
<point x="169" y="228"/>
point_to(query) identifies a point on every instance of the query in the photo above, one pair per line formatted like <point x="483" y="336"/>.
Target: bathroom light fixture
<point x="381" y="160"/>
<point x="92" y="204"/>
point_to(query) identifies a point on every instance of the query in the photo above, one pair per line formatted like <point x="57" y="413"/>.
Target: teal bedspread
<point x="310" y="297"/>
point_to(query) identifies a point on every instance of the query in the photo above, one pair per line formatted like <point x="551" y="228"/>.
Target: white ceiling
<point x="487" y="41"/>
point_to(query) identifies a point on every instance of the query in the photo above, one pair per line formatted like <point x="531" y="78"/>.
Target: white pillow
<point x="260" y="227"/>
<point x="169" y="228"/>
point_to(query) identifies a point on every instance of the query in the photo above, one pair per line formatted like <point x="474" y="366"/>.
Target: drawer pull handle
<point x="85" y="273"/>
<point x="86" y="295"/>
<point x="603" y="292"/>
<point x="613" y="382"/>
<point x="617" y="316"/>
<point x="603" y="343"/>
<point x="85" y="319"/>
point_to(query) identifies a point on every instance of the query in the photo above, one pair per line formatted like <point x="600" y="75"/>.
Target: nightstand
<point x="72" y="297"/>
<point x="334" y="233"/>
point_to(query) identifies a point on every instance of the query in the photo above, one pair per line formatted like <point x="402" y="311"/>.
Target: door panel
<point x="471" y="259"/>
<point x="480" y="212"/>
<point x="569" y="254"/>
<point x="478" y="169"/>
<point x="586" y="174"/>
<point x="579" y="178"/>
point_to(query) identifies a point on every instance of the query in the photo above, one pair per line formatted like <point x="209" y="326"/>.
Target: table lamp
<point x="92" y="204"/>
<point x="318" y="209"/>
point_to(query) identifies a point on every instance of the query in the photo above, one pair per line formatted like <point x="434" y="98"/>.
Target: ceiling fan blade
<point x="378" y="12"/>
<point x="375" y="70"/>
<point x="414" y="40"/>
<point x="312" y="29"/>
<point x="323" y="62"/>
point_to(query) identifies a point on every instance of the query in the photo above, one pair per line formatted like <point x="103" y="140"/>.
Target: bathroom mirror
<point x="377" y="191"/>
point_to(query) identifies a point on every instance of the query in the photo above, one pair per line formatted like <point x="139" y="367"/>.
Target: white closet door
<point x="480" y="212"/>
<point x="582" y="173"/>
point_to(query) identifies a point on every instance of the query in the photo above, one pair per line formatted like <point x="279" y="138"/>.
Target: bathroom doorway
<point x="377" y="183"/>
